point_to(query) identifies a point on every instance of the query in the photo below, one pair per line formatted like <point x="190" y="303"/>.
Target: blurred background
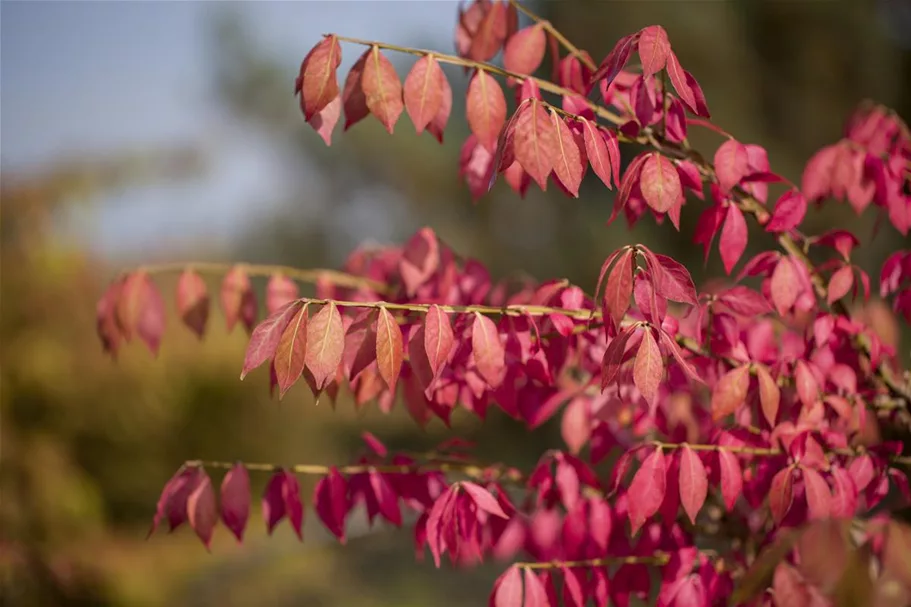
<point x="135" y="132"/>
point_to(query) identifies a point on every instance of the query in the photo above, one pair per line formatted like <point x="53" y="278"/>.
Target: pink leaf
<point x="660" y="183"/>
<point x="694" y="482"/>
<point x="654" y="48"/>
<point x="818" y="494"/>
<point x="235" y="500"/>
<point x="438" y="338"/>
<point x="525" y="50"/>
<point x="535" y="593"/>
<point x="780" y="494"/>
<point x="732" y="164"/>
<point x="730" y="392"/>
<point x="507" y="590"/>
<point x="485" y="109"/>
<point x="193" y="301"/>
<point x="649" y="367"/>
<point x="423" y="92"/>
<point x="325" y="345"/>
<point x="731" y="478"/>
<point x="202" y="511"/>
<point x="382" y="89"/>
<point x="389" y="348"/>
<point x="646" y="492"/>
<point x="769" y="394"/>
<point x="840" y="283"/>
<point x="331" y="502"/>
<point x="789" y="212"/>
<point x="483" y="499"/>
<point x="733" y="238"/>
<point x="266" y="337"/>
<point x="784" y="285"/>
<point x="487" y="349"/>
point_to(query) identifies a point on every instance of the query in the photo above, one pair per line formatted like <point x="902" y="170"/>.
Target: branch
<point x="335" y="277"/>
<point x="657" y="558"/>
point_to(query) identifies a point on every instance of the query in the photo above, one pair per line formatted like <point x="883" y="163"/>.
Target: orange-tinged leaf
<point x="487" y="350"/>
<point x="424" y="92"/>
<point x="389" y="348"/>
<point x="267" y="335"/>
<point x="193" y="301"/>
<point x="438" y="338"/>
<point x="319" y="85"/>
<point x="535" y="142"/>
<point x="438" y="123"/>
<point x="485" y="109"/>
<point x="325" y="345"/>
<point x="646" y="492"/>
<point x="694" y="483"/>
<point x="291" y="353"/>
<point x="660" y="183"/>
<point x="382" y="89"/>
<point x="730" y="392"/>
<point x="202" y="512"/>
<point x="569" y="165"/>
<point x="649" y="367"/>
<point x="524" y="51"/>
<point x="769" y="394"/>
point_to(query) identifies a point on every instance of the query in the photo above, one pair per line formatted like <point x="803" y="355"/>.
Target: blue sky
<point x="83" y="77"/>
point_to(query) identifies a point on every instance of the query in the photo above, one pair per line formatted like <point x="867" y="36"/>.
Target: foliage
<point x="739" y="430"/>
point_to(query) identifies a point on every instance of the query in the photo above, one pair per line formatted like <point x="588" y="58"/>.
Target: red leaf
<point x="490" y="33"/>
<point x="730" y="392"/>
<point x="769" y="394"/>
<point x="534" y="142"/>
<point x="325" y="345"/>
<point x="485" y="109"/>
<point x="438" y="338"/>
<point x="237" y="299"/>
<point x="840" y="283"/>
<point x="483" y="499"/>
<point x="569" y="164"/>
<point x="660" y="183"/>
<point x="235" y="500"/>
<point x="487" y="350"/>
<point x="353" y="99"/>
<point x="818" y="494"/>
<point x="646" y="492"/>
<point x="318" y="82"/>
<point x="733" y="238"/>
<point x="649" y="367"/>
<point x="193" y="301"/>
<point x="615" y="60"/>
<point x="731" y="478"/>
<point x="694" y="483"/>
<point x="173" y="499"/>
<point x="807" y="386"/>
<point x="732" y="163"/>
<point x="686" y="86"/>
<point x="282" y="498"/>
<point x="620" y="287"/>
<point x="507" y="590"/>
<point x="525" y="50"/>
<point x="267" y="335"/>
<point x="535" y="593"/>
<point x="597" y="152"/>
<point x="780" y="494"/>
<point x="423" y="92"/>
<point x="291" y="353"/>
<point x="789" y="212"/>
<point x="673" y="281"/>
<point x="613" y="358"/>
<point x="202" y="511"/>
<point x="629" y="181"/>
<point x="382" y="89"/>
<point x="784" y="285"/>
<point x="671" y="345"/>
<point x="330" y="500"/>
<point x="389" y="348"/>
<point x="280" y="290"/>
<point x="654" y="48"/>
